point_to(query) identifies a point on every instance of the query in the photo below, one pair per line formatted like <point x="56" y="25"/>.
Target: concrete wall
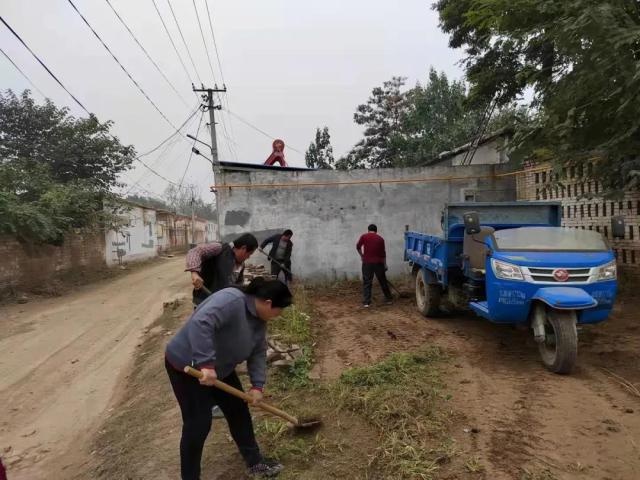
<point x="135" y="238"/>
<point x="34" y="267"/>
<point x="327" y="220"/>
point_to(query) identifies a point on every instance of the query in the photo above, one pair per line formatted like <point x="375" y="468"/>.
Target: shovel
<point x="400" y="294"/>
<point x="275" y="261"/>
<point x="298" y="424"/>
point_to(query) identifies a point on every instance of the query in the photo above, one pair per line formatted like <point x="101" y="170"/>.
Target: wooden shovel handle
<point x="244" y="396"/>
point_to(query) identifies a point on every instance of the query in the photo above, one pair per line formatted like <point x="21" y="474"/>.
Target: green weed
<point x="401" y="397"/>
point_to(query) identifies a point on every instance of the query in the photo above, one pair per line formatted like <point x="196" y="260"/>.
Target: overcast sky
<point x="289" y="66"/>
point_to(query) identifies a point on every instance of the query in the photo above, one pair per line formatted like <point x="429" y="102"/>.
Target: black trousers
<point x="368" y="271"/>
<point x="195" y="402"/>
<point x="275" y="269"/>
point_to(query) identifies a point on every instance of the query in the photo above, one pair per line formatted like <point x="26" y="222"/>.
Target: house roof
<point x="503" y="132"/>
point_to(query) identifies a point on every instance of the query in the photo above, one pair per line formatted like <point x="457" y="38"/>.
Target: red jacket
<point x="374" y="251"/>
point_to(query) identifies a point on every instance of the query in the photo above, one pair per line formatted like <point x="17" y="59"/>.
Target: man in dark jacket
<point x="371" y="249"/>
<point x="218" y="265"/>
<point x="281" y="247"/>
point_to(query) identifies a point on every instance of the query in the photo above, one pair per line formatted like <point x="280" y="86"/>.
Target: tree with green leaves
<point x="382" y="118"/>
<point x="581" y="60"/>
<point x="320" y="152"/>
<point x="56" y="171"/>
<point x="438" y="118"/>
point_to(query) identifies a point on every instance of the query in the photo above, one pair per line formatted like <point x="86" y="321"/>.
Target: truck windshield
<point x="550" y="239"/>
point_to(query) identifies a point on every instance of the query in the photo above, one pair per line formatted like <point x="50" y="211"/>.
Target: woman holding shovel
<point x="228" y="328"/>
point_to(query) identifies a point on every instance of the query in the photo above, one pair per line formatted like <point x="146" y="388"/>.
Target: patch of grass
<point x="294" y="325"/>
<point x="402" y="397"/>
<point x="474" y="465"/>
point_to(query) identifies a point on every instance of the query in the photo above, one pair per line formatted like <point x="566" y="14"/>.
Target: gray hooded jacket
<point x="223" y="332"/>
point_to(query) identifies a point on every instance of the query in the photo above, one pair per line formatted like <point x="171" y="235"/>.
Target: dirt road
<point x="523" y="422"/>
<point x="63" y="360"/>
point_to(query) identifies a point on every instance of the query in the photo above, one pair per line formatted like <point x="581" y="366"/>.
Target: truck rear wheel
<point x="560" y="348"/>
<point x="427" y="295"/>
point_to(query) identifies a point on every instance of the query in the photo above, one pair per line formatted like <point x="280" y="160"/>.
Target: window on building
<point x="582" y="188"/>
<point x="624" y="256"/>
<point x="633" y="256"/>
<point x="544" y="177"/>
<point x="606" y="231"/>
<point x="597" y="207"/>
<point x="597" y="187"/>
<point x="613" y="208"/>
<point x="630" y="232"/>
<point x="589" y="210"/>
<point x="582" y="211"/>
<point x="572" y="172"/>
<point x="629" y="205"/>
<point x="604" y="209"/>
<point x="598" y="228"/>
<point x="620" y="207"/>
<point x="537" y="194"/>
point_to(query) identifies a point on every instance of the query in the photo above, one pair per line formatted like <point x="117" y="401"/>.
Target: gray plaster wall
<point x="328" y="220"/>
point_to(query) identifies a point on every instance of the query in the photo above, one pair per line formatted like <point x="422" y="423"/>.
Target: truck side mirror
<point x="471" y="223"/>
<point x="617" y="227"/>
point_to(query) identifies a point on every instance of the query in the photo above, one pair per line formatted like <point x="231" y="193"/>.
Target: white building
<point x="134" y="237"/>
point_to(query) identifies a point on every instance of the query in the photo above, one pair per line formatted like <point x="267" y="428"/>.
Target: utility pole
<point x="212" y="118"/>
<point x="215" y="164"/>
<point x="193" y="219"/>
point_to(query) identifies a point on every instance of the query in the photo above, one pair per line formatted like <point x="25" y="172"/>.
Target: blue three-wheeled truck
<point x="512" y="263"/>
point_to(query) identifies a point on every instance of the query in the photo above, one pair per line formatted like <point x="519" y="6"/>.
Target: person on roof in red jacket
<point x="371" y="249"/>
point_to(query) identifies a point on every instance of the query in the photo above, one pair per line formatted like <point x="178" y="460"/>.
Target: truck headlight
<point x="506" y="271"/>
<point x="608" y="271"/>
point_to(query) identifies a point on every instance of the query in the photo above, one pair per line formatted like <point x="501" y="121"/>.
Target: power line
<point x="184" y="41"/>
<point x="81" y="105"/>
<point x="22" y="73"/>
<point x="184" y="67"/>
<point x="147" y="53"/>
<point x="246" y="122"/>
<point x="191" y="153"/>
<point x="213" y="75"/>
<point x="172" y="135"/>
<point x="157" y="159"/>
<point x="44" y="66"/>
<point x="156" y="173"/>
<point x="122" y="66"/>
<point x="215" y="45"/>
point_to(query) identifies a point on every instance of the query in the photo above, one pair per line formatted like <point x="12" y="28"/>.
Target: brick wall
<point x="32" y="267"/>
<point x="583" y="207"/>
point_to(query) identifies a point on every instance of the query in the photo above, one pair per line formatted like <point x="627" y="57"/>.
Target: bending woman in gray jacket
<point x="226" y="329"/>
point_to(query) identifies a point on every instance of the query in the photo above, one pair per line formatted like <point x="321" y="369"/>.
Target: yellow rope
<point x="375" y="182"/>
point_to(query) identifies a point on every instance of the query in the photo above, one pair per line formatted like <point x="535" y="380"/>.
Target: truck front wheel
<point x="560" y="348"/>
<point x="427" y="295"/>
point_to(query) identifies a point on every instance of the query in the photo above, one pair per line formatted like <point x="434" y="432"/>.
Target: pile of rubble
<point x="278" y="355"/>
<point x="253" y="271"/>
<point x="281" y="355"/>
